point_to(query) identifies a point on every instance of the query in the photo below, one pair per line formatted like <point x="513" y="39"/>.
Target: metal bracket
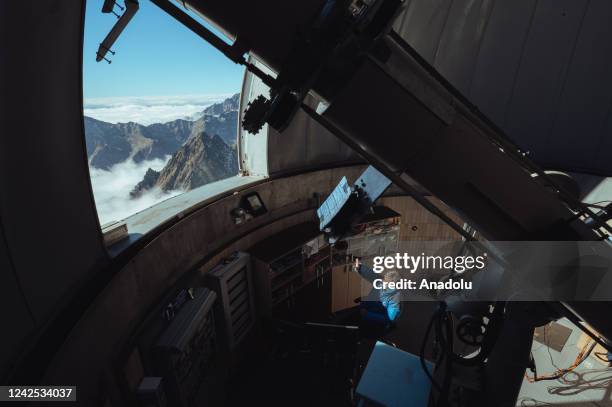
<point x="131" y="7"/>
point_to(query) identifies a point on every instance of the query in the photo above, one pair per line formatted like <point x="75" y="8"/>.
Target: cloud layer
<point x="148" y="109"/>
<point x="112" y="189"/>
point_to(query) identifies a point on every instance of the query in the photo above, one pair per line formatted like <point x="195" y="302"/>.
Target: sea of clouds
<point x="149" y="109"/>
<point x="112" y="188"/>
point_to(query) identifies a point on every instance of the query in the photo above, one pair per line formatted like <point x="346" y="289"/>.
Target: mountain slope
<point x="220" y="119"/>
<point x="109" y="144"/>
<point x="106" y="144"/>
<point x="201" y="160"/>
<point x="228" y="105"/>
<point x="224" y="125"/>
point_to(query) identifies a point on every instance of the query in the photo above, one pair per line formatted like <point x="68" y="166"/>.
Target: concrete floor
<point x="589" y="385"/>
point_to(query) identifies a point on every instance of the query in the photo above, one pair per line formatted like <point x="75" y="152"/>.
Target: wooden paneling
<point x="428" y="226"/>
<point x="340" y="288"/>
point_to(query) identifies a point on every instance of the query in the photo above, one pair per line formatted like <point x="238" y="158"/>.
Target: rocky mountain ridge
<point x="201" y="150"/>
<point x="201" y="160"/>
<point x="112" y="143"/>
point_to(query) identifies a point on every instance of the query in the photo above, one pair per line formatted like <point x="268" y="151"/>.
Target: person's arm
<point x="364" y="271"/>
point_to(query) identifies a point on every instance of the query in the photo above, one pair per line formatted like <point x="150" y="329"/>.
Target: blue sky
<point x="155" y="56"/>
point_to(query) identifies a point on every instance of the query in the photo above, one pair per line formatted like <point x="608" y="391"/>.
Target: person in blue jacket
<point x="382" y="306"/>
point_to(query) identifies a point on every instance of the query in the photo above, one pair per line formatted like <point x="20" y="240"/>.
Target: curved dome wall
<point x="540" y="69"/>
<point x="50" y="241"/>
<point x="303" y="145"/>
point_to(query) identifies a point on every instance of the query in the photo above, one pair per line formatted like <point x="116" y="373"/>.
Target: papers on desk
<point x="334" y="202"/>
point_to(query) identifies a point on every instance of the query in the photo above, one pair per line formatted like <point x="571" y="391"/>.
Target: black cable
<point x="435" y="384"/>
<point x="546" y="341"/>
<point x="603" y="356"/>
<point x="562" y="372"/>
<point x="446" y="325"/>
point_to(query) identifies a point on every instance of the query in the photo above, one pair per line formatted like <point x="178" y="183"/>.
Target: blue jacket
<point x="390" y="299"/>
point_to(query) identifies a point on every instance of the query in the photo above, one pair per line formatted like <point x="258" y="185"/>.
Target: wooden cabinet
<point x="357" y="287"/>
<point x="340" y="288"/>
<point x="347" y="286"/>
<point x="291" y="274"/>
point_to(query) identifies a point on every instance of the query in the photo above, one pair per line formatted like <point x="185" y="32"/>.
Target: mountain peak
<point x="228" y="105"/>
<point x="204" y="158"/>
<point x="148" y="182"/>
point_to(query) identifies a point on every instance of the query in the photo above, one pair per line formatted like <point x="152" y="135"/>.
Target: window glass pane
<point x="161" y="119"/>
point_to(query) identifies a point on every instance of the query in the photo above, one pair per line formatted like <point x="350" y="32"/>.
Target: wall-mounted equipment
<point x="231" y="281"/>
<point x="185" y="350"/>
<point x="131" y="7"/>
<point x="251" y="206"/>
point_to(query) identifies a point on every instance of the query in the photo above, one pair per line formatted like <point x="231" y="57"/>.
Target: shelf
<point x="275" y="272"/>
<point x="287" y="293"/>
<point x="279" y="245"/>
<point x="318" y="257"/>
<point x="284" y="280"/>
